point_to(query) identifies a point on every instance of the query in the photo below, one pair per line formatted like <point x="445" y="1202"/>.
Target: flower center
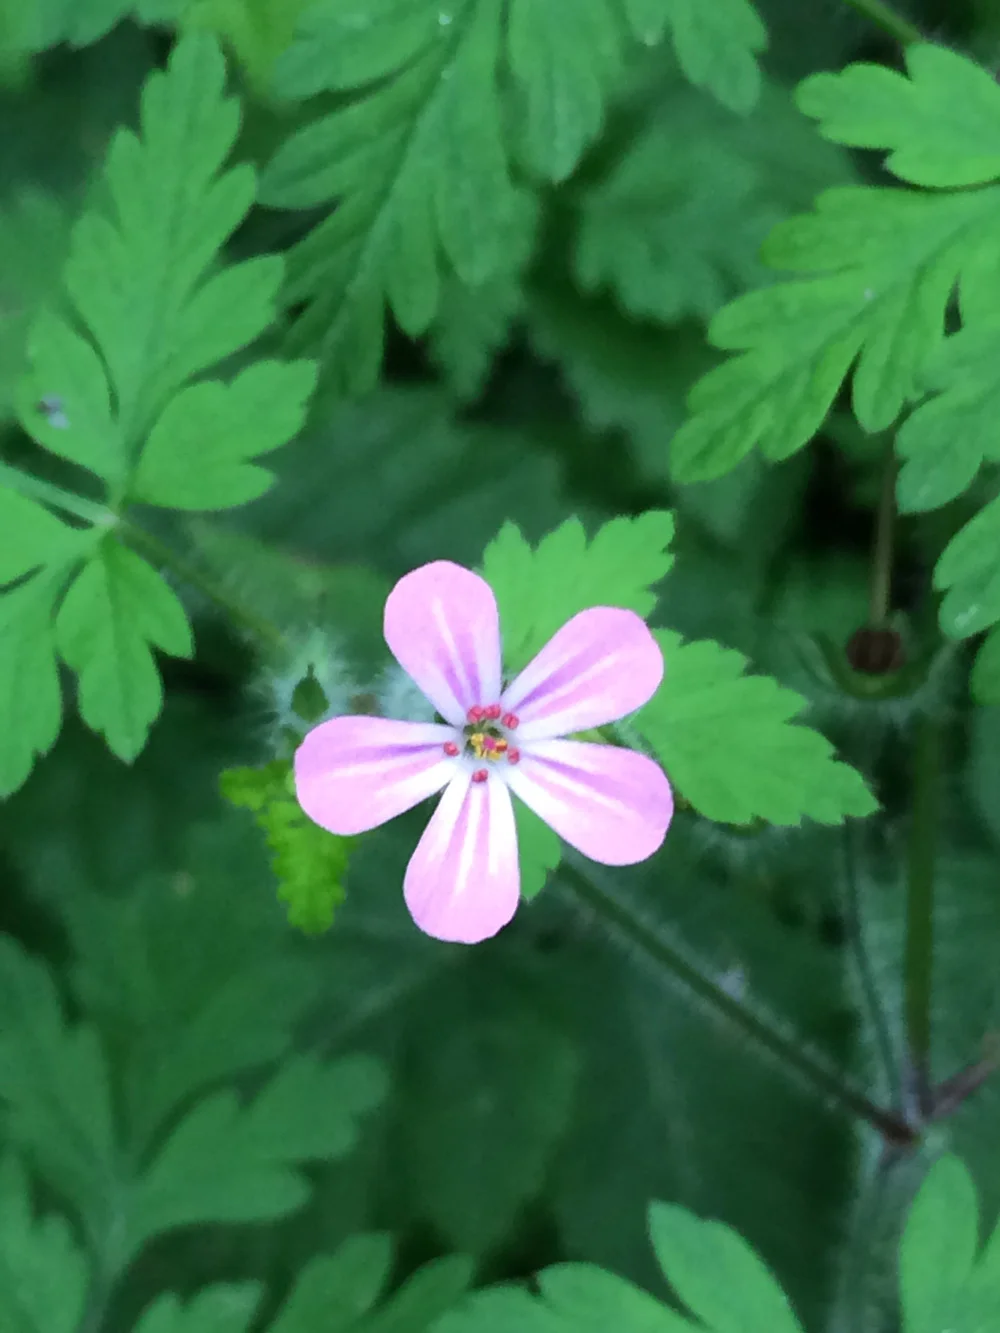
<point x="487" y="738"/>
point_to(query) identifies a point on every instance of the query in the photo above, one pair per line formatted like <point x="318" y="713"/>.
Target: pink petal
<point x="463" y="881"/>
<point x="442" y="626"/>
<point x="354" y="773"/>
<point x="611" y="804"/>
<point x="601" y="665"/>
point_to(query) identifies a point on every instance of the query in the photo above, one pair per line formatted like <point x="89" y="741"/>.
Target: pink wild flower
<point x="614" y="805"/>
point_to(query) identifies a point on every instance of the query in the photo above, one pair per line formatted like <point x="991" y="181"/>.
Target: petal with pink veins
<point x="602" y="665"/>
<point x="611" y="804"/>
<point x="442" y="626"/>
<point x="354" y="773"/>
<point x="463" y="882"/>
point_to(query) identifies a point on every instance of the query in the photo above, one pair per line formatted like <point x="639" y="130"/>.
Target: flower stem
<point x="919" y="947"/>
<point x="168" y="558"/>
<point x="882" y="553"/>
<point x="795" y="1058"/>
<point x="34" y="488"/>
<point x="886" y="18"/>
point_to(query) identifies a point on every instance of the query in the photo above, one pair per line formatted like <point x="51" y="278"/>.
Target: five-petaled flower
<point x="614" y="805"/>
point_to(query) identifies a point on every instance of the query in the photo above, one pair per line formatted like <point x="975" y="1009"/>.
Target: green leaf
<point x="54" y="1083"/>
<point x="190" y="975"/>
<point x="538" y="590"/>
<point x="32" y="536"/>
<point x="675" y="226"/>
<point x="67" y="372"/>
<point x="30" y="690"/>
<point x="539" y="850"/>
<point x="563" y="76"/>
<point x="968" y="573"/>
<point x="717" y="1275"/>
<point x="143" y="280"/>
<point x="216" y="1310"/>
<point x="880" y="267"/>
<point x="584" y="1296"/>
<point x="116" y="610"/>
<point x="34" y="232"/>
<point x="938" y="1249"/>
<point x="334" y="1291"/>
<point x="424" y="1297"/>
<point x="227" y="1162"/>
<point x="43" y="1276"/>
<point x="945" y="441"/>
<point x="417" y="166"/>
<point x="717" y="44"/>
<point x="488" y="1101"/>
<point x="986" y="670"/>
<point x="309" y="863"/>
<point x="728" y="743"/>
<point x="941" y="120"/>
<point x="198" y="452"/>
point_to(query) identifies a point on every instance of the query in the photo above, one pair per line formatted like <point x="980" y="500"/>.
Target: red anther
<point x="476" y="714"/>
<point x="480" y="775"/>
<point x="513" y="755"/>
<point x="498" y="746"/>
<point x="510" y="721"/>
<point x="450" y="748"/>
<point x="493" y="712"/>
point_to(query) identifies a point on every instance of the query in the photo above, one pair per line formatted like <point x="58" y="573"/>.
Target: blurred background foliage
<point x="520" y="1103"/>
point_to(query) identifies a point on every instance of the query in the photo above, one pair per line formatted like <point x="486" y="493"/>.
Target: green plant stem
<point x="888" y="20"/>
<point x="883" y="551"/>
<point x="34" y="488"/>
<point x="919" y="948"/>
<point x="168" y="558"/>
<point x="796" y="1059"/>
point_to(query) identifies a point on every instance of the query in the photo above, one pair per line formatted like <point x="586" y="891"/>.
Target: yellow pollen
<point x="484" y="746"/>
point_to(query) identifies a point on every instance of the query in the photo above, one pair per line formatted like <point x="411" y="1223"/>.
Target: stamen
<point x="510" y="721"/>
<point x="513" y="755"/>
<point x="493" y="712"/>
<point x="480" y="775"/>
<point x="450" y="749"/>
<point x="498" y="746"/>
<point x="476" y="714"/>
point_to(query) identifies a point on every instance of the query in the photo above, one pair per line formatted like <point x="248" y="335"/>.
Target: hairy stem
<point x="168" y="558"/>
<point x="919" y="949"/>
<point x="886" y="18"/>
<point x="796" y="1059"/>
<point x="883" y="551"/>
<point x="34" y="488"/>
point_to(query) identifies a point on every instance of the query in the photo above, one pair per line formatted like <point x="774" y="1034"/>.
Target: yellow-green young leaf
<point x="31" y="536"/>
<point x="729" y="744"/>
<point x="115" y="612"/>
<point x="30" y="693"/>
<point x="716" y="1274"/>
<point x="43" y="1275"/>
<point x="198" y="454"/>
<point x="232" y="1162"/>
<point x="940" y="121"/>
<point x="938" y="1248"/>
<point x="309" y="863"/>
<point x="879" y="270"/>
<point x="538" y="590"/>
<point x="228" y="1309"/>
<point x="563" y="74"/>
<point x="968" y="573"/>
